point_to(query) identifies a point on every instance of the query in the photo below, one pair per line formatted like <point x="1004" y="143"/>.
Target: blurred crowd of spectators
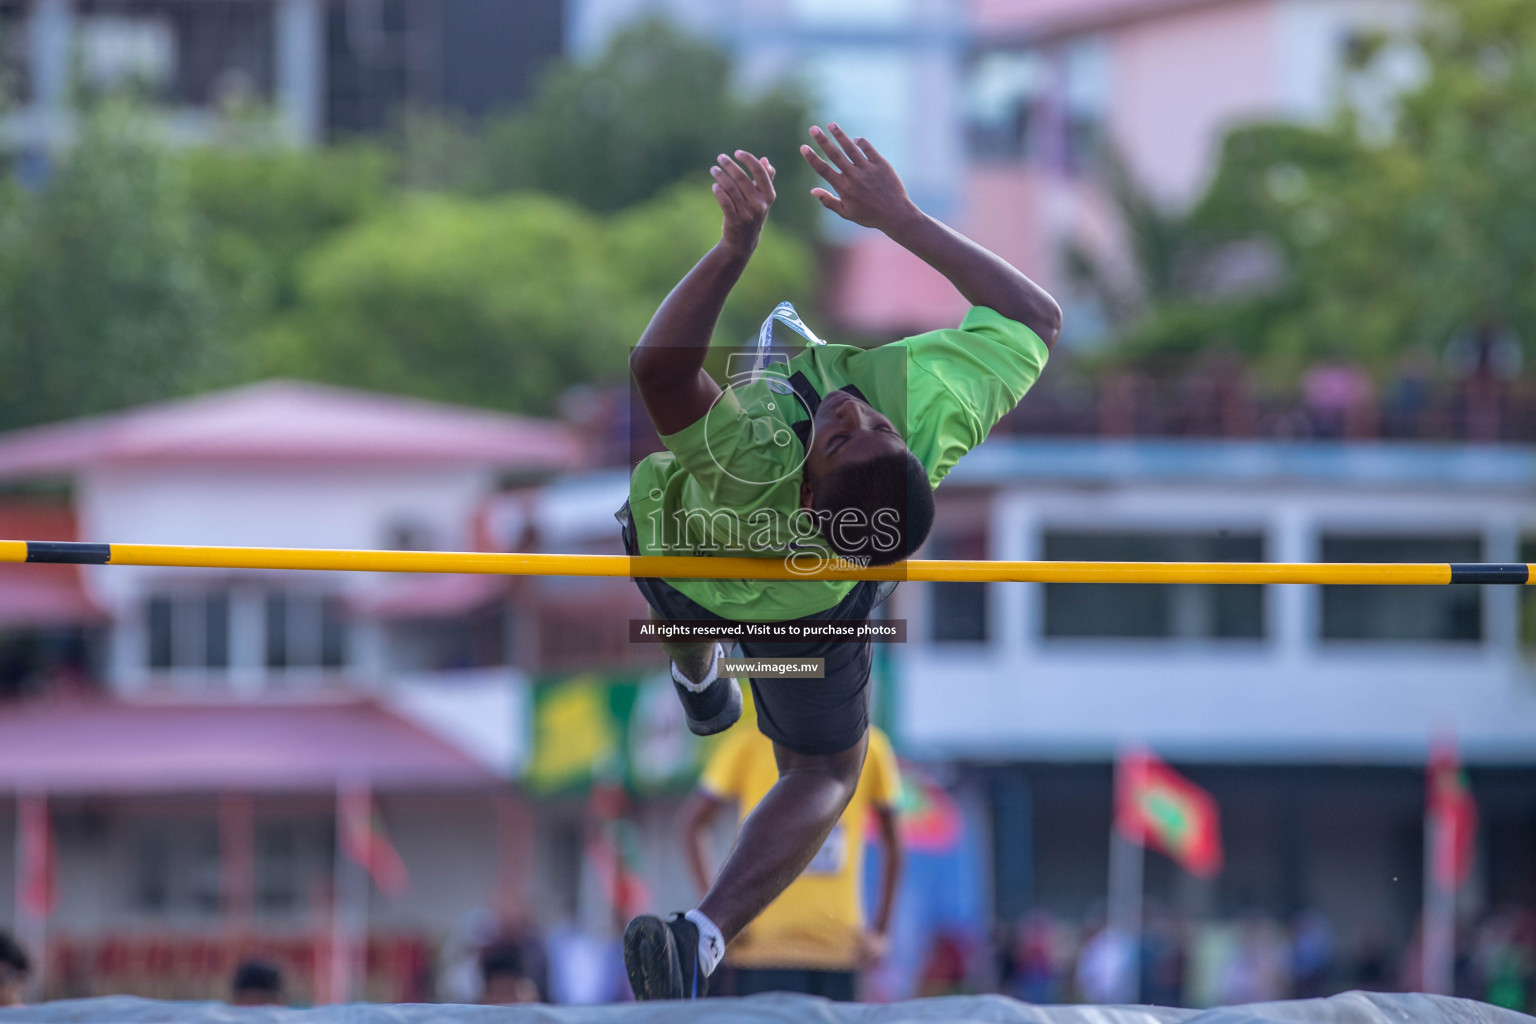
<point x="1047" y="959"/>
<point x="1467" y="397"/>
<point x="1042" y="958"/>
<point x="1219" y="396"/>
<point x="1257" y="958"/>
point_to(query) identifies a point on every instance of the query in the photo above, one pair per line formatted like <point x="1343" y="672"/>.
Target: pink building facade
<point x="1044" y="84"/>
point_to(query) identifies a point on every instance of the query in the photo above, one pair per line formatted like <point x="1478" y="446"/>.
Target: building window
<point x="152" y="875"/>
<point x="1154" y="611"/>
<point x="1407" y="614"/>
<point x="202" y="55"/>
<point x="1001" y="92"/>
<point x="193" y="632"/>
<point x="410" y="535"/>
<point x="474" y="640"/>
<point x="178" y="867"/>
<point x="16" y="81"/>
<point x="1049" y="106"/>
<point x="205" y="882"/>
<point x="278" y="869"/>
<point x="1085" y="103"/>
<point x="188" y="631"/>
<point x="305" y="631"/>
<point x="958" y="612"/>
<point x="118" y="49"/>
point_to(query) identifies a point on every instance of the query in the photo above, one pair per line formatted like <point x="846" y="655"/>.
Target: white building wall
<point x="1177" y="83"/>
<point x="1288" y="697"/>
<point x="1181" y="81"/>
<point x="53" y="29"/>
<point x="450" y="842"/>
<point x="262" y="506"/>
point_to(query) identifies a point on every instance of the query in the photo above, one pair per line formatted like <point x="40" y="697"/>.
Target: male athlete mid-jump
<point x="837" y="457"/>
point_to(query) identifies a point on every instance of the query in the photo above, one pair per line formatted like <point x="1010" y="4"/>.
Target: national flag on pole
<point x="1156" y="806"/>
<point x="39" y="871"/>
<point x="365" y="843"/>
<point x="611" y="853"/>
<point x="929" y="818"/>
<point x="1451" y="816"/>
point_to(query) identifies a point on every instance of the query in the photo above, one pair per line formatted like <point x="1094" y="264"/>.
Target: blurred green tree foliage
<point x="264" y="209"/>
<point x="139" y="272"/>
<point x="507" y="302"/>
<point x="1409" y="220"/>
<point x="656" y="107"/>
<point x="654" y="244"/>
<point x="106" y="298"/>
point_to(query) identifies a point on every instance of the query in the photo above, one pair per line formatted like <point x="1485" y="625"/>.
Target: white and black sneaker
<point x="661" y="958"/>
<point x="711" y="705"/>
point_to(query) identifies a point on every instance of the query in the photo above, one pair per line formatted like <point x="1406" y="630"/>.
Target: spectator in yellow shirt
<point x="813" y="938"/>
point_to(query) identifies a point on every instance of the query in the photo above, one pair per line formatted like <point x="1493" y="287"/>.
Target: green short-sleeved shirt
<point x="729" y="484"/>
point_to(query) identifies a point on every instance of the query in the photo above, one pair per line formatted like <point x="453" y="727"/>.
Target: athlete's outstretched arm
<point x="668" y="363"/>
<point x="870" y="193"/>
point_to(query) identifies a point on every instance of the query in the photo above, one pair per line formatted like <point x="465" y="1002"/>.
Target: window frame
<point x="1408" y="533"/>
<point x="1267" y="631"/>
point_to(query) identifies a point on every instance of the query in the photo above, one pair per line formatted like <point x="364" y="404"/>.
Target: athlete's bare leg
<point x="783" y="833"/>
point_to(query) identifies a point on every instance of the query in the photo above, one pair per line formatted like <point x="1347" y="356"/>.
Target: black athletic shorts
<point x="808" y="716"/>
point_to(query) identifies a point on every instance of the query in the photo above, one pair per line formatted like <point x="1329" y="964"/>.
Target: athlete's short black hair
<point x="877" y="511"/>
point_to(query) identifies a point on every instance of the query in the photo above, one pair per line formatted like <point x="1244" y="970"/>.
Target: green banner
<point x="629" y="729"/>
<point x="589" y="727"/>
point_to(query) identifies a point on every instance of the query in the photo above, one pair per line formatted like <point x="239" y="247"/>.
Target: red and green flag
<point x="1451" y="817"/>
<point x="930" y="820"/>
<point x="1156" y="806"/>
<point x="613" y="850"/>
<point x="366" y="844"/>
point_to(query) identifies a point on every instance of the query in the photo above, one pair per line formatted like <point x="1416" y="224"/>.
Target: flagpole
<point x="1439" y="919"/>
<point x="361" y="896"/>
<point x="1126" y="859"/>
<point x="32" y="929"/>
<point x="19" y="865"/>
<point x="21" y="923"/>
<point x="346" y="907"/>
<point x="338" y="983"/>
<point x="1439" y="928"/>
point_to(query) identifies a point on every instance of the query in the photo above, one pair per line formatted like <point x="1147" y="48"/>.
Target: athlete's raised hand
<point x="744" y="198"/>
<point x="868" y="190"/>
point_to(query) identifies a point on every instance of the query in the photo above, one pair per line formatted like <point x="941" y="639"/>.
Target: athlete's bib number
<point x="829" y="860"/>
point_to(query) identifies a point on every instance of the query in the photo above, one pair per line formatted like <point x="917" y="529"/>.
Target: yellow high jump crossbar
<point x="679" y="567"/>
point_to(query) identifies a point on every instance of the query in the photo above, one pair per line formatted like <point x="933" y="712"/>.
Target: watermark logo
<point x="769" y="421"/>
<point x="809" y="562"/>
<point x="804" y="539"/>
